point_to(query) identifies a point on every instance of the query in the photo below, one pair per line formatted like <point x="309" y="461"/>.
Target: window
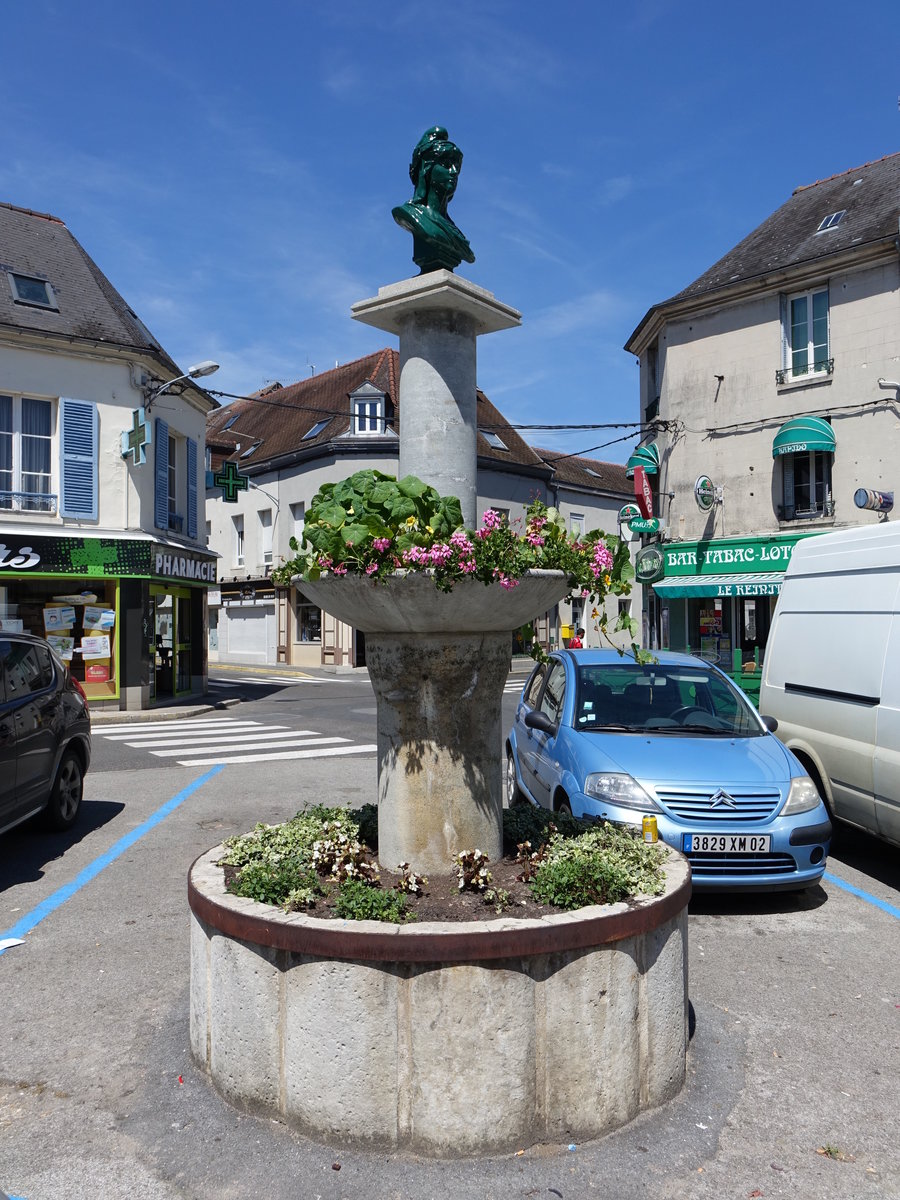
<point x="316" y="429"/>
<point x="208" y="531"/>
<point x="368" y="416"/>
<point x="576" y="524"/>
<point x="652" y="407"/>
<point x="555" y="692"/>
<point x="228" y="424"/>
<point x="173" y="482"/>
<point x="251" y="449"/>
<point x="807" y="485"/>
<point x="238" y="523"/>
<point x="298" y="516"/>
<point x="26" y="289"/>
<point x="309" y="621"/>
<point x="265" y="534"/>
<point x="493" y="439"/>
<point x="29" y="669"/>
<point x="831" y="221"/>
<point x="805" y="336"/>
<point x="26" y="431"/>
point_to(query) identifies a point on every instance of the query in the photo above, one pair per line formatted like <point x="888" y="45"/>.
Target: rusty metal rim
<point x="335" y="940"/>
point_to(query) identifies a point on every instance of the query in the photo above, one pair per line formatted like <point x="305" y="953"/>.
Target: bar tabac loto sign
<point x="725" y="556"/>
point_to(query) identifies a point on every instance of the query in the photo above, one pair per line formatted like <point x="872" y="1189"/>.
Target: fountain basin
<point x="443" y="1039"/>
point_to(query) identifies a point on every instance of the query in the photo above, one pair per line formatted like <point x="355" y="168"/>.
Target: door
<point x="545" y="766"/>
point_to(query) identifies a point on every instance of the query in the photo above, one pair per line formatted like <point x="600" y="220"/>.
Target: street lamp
<point x="207" y="367"/>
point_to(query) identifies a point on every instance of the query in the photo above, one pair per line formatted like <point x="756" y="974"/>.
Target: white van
<point x="831" y="674"/>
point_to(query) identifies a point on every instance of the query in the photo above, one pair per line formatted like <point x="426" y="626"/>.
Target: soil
<point x="442" y="899"/>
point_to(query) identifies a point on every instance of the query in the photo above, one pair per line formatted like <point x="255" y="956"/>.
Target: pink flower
<point x="381" y="544"/>
<point x="371" y="568"/>
<point x="339" y="570"/>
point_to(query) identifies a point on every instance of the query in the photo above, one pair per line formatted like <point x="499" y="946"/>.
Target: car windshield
<point x="661" y="699"/>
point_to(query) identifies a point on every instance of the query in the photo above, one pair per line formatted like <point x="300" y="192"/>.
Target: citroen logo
<point x="721" y="799"/>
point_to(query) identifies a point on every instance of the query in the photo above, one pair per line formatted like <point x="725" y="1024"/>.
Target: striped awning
<point x="646" y="457"/>
<point x="760" y="584"/>
<point x="801" y="434"/>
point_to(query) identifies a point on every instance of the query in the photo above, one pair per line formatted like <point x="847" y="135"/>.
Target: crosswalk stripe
<point x="241" y="747"/>
<point x="237" y="739"/>
<point x="281" y="756"/>
<point x="184" y="732"/>
<point x="182" y="723"/>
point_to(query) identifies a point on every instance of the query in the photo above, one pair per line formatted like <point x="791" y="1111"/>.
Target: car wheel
<point x="65" y="798"/>
<point x="514" y="794"/>
<point x="563" y="806"/>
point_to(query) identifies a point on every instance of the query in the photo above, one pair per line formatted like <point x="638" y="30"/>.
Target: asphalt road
<point x="795" y="1005"/>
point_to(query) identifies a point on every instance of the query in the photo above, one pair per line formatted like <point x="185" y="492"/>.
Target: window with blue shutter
<point x="78" y="452"/>
<point x="161" y="475"/>
<point x="191" y="488"/>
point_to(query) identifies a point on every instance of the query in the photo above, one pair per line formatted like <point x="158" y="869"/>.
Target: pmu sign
<point x="643" y="493"/>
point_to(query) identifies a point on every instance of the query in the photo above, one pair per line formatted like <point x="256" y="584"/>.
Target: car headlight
<point x="619" y="789"/>
<point x="803" y="796"/>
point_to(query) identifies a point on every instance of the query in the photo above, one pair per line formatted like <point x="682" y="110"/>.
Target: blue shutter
<point x="191" y="488"/>
<point x="78" y="467"/>
<point x="161" y="481"/>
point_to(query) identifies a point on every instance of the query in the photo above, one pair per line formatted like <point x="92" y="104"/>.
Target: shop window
<point x="309" y="622"/>
<point x="26" y="435"/>
<point x="80" y="625"/>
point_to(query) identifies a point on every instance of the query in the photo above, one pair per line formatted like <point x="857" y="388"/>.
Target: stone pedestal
<point x="438" y="662"/>
<point x="438" y="316"/>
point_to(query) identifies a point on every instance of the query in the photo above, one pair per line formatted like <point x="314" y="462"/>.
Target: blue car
<point x="608" y="738"/>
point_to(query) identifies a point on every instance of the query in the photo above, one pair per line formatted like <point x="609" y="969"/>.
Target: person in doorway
<point x="577" y="642"/>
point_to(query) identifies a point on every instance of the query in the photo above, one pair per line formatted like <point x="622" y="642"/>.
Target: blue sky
<point x="232" y="167"/>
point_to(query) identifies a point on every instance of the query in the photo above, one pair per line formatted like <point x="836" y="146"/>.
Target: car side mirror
<point x="770" y="723"/>
<point x="540" y="720"/>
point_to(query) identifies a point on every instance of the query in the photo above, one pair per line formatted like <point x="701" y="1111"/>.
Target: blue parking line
<point x="867" y="896"/>
<point x="61" y="895"/>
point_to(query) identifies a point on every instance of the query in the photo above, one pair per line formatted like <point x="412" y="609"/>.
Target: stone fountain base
<point x="444" y="1039"/>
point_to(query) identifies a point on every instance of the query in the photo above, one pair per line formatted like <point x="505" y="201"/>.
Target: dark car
<point x="45" y="735"/>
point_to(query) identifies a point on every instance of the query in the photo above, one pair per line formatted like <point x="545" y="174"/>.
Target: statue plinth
<point x="438" y="317"/>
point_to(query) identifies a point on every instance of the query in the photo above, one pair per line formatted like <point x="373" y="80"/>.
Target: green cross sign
<point x="231" y="481"/>
<point x="136" y="440"/>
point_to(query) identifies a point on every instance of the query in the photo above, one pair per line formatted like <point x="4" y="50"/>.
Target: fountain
<point x="444" y="1038"/>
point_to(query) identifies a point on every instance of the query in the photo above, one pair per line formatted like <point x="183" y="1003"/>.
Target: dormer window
<point x="27" y="289"/>
<point x="367" y="411"/>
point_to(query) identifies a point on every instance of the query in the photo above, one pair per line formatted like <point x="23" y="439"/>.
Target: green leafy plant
<point x="409" y="881"/>
<point x="498" y="898"/>
<point x="374" y="525"/>
<point x="360" y="902"/>
<point x="602" y="866"/>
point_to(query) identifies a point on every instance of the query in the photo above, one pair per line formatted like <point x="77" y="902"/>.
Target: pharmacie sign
<point x="169" y="564"/>
<point x="728" y="556"/>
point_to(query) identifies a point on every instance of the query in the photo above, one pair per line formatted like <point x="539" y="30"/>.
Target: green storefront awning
<point x="646" y="457"/>
<point x="762" y="583"/>
<point x="803" y="433"/>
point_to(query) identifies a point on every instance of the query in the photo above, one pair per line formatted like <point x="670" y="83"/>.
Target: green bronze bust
<point x="434" y="172"/>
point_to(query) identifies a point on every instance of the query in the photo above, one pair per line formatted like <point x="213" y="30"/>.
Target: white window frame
<point x="818" y="364"/>
<point x="266" y="528"/>
<point x="576" y="524"/>
<point x="14" y="498"/>
<point x="298" y="516"/>
<point x="238" y="526"/>
<point x="368" y="416"/>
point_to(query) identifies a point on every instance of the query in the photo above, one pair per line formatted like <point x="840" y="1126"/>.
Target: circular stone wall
<point x="444" y="1039"/>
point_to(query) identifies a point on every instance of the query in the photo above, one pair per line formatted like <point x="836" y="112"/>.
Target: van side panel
<point x="886" y="771"/>
<point x="824" y="668"/>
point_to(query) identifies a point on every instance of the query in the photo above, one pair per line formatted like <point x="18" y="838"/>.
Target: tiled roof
<point x="870" y="196"/>
<point x="279" y="417"/>
<point x="588" y="473"/>
<point x="89" y="307"/>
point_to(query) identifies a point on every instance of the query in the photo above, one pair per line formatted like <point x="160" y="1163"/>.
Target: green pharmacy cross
<point x="231" y="481"/>
<point x="136" y="440"/>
